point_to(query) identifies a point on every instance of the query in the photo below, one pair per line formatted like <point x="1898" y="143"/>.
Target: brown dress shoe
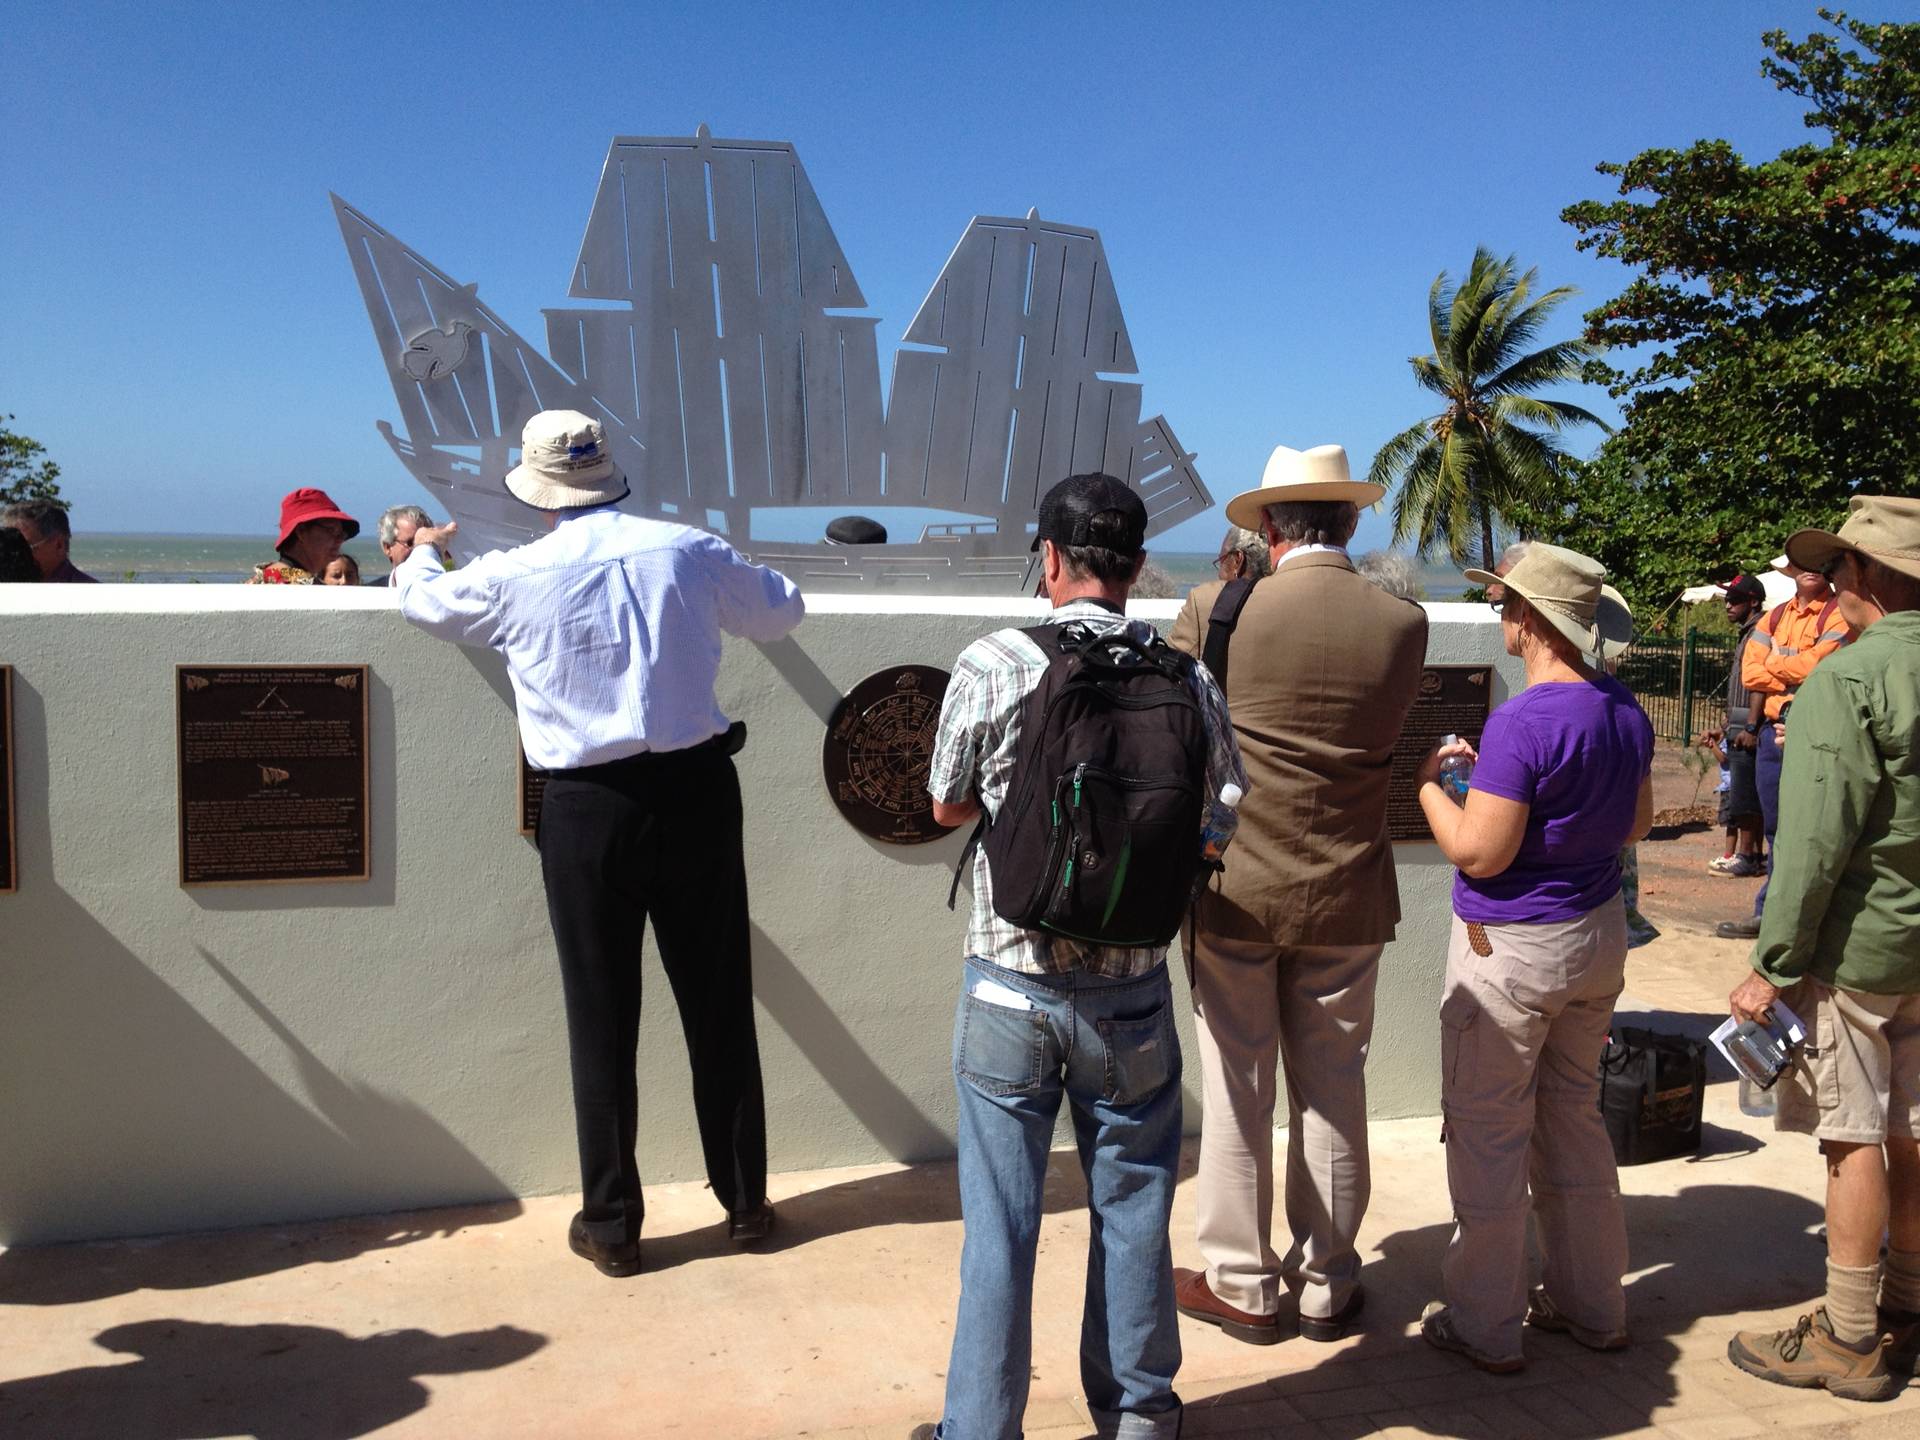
<point x="1328" y="1328"/>
<point x="1194" y="1298"/>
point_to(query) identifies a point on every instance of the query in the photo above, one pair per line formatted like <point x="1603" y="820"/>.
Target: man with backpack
<point x="1100" y="760"/>
<point x="1324" y="666"/>
<point x="1795" y="636"/>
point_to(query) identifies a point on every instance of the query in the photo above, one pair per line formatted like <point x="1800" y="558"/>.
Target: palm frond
<point x="1556" y="364"/>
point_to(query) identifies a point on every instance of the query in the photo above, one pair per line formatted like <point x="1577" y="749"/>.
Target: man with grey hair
<point x="1286" y="948"/>
<point x="44" y="526"/>
<point x="1243" y="555"/>
<point x="397" y="527"/>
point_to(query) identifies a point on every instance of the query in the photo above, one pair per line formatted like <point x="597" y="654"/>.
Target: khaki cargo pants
<point x="1523" y="1018"/>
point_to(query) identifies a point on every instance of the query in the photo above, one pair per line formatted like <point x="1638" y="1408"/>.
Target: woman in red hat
<point x="312" y="530"/>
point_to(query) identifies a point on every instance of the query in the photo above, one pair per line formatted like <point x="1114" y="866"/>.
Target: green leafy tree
<point x="1495" y="447"/>
<point x="1772" y="352"/>
<point x="24" y="474"/>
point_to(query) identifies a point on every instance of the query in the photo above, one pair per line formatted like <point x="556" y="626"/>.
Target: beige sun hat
<point x="1567" y="589"/>
<point x="1881" y="527"/>
<point x="1316" y="474"/>
<point x="565" y="463"/>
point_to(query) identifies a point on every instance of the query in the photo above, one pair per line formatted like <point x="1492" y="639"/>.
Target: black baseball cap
<point x="1093" y="510"/>
<point x="1745" y="587"/>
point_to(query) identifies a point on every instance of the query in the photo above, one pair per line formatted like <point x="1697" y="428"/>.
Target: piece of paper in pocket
<point x="994" y="993"/>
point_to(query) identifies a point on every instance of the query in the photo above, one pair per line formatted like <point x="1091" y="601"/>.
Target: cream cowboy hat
<point x="565" y="463"/>
<point x="1881" y="527"/>
<point x="1567" y="589"/>
<point x="1316" y="474"/>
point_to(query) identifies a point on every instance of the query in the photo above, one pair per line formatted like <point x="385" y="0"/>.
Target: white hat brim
<point x="1245" y="508"/>
<point x="543" y="492"/>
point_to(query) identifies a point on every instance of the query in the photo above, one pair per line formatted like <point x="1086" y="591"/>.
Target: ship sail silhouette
<point x="721" y="345"/>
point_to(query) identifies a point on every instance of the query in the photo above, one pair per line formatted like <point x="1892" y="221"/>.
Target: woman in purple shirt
<point x="1538" y="952"/>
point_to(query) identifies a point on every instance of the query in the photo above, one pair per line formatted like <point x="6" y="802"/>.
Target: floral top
<point x="279" y="572"/>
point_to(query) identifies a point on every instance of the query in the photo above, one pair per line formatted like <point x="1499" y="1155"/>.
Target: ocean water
<point x="155" y="559"/>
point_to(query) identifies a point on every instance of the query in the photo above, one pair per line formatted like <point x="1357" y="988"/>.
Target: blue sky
<point x="1277" y="186"/>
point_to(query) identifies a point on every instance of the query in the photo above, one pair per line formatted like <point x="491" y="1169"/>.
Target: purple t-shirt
<point x="1575" y="753"/>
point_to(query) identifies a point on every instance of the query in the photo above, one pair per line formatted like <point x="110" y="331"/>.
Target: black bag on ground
<point x="1651" y="1090"/>
<point x="1099" y="836"/>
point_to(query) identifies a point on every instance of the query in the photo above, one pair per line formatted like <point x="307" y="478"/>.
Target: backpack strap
<point x="1220" y="626"/>
<point x="966" y="857"/>
<point x="1773" y="617"/>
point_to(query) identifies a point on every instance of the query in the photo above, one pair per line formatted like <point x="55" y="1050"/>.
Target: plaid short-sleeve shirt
<point x="973" y="756"/>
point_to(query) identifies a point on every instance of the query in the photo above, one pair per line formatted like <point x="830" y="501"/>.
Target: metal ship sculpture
<point x="717" y="344"/>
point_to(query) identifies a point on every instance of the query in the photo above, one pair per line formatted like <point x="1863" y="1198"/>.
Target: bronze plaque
<point x="9" y="865"/>
<point x="532" y="790"/>
<point x="878" y="750"/>
<point x="273" y="773"/>
<point x="1453" y="700"/>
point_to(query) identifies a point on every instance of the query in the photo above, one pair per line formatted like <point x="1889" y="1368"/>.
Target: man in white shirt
<point x="611" y="629"/>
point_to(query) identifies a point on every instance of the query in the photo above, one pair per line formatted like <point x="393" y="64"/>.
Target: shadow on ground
<point x="899" y="1197"/>
<point x="194" y="1381"/>
<point x="1777" y="1262"/>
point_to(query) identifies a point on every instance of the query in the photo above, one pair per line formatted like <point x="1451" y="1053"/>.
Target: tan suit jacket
<point x="1321" y="674"/>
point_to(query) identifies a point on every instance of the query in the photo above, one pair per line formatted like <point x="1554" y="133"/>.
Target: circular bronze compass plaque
<point x="878" y="750"/>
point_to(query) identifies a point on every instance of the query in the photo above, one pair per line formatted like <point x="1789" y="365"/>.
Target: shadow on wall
<point x="195" y="1381"/>
<point x="1688" y="1264"/>
<point x="109" y="1074"/>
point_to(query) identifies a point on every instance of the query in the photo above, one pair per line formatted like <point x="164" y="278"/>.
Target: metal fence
<point x="1681" y="684"/>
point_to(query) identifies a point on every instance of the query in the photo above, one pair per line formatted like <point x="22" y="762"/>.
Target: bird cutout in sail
<point x="270" y="775"/>
<point x="432" y="354"/>
<point x="197" y="682"/>
<point x="347" y="682"/>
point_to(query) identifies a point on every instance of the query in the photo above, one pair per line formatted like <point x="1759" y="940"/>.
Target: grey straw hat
<point x="1881" y="527"/>
<point x="1570" y="592"/>
<point x="565" y="463"/>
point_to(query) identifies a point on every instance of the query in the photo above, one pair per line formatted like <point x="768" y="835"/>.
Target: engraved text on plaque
<point x="1453" y="700"/>
<point x="273" y="773"/>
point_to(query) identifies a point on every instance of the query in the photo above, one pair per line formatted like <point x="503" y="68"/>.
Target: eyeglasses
<point x="43" y="540"/>
<point x="1227" y="560"/>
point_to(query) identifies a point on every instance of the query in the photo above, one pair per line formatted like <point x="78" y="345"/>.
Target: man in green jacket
<point x="1840" y="942"/>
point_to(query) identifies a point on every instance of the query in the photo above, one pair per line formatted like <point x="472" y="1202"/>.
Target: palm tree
<point x="1495" y="446"/>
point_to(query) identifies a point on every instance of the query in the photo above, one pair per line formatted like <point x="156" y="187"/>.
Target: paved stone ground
<point x="477" y="1323"/>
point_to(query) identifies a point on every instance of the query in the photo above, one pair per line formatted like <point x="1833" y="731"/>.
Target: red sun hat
<point x="300" y="506"/>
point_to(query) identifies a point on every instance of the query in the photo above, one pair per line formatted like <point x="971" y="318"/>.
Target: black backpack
<point x="1099" y="836"/>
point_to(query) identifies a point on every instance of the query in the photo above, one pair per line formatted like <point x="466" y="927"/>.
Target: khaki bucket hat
<point x="1881" y="527"/>
<point x="565" y="463"/>
<point x="1568" y="589"/>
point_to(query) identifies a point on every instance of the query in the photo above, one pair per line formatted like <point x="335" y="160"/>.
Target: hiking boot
<point x="1902" y="1329"/>
<point x="1543" y="1314"/>
<point x="1436" y="1324"/>
<point x="1811" y="1357"/>
<point x="1740" y="867"/>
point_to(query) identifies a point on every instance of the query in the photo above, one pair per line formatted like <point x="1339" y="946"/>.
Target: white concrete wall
<point x="175" y="1059"/>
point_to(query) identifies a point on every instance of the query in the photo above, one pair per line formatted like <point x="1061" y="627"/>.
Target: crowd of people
<point x="1232" y="778"/>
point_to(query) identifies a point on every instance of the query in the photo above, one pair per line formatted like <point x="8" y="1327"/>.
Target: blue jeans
<point x="1767" y="751"/>
<point x="1110" y="1047"/>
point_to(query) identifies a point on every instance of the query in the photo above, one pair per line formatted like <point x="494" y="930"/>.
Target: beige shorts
<point x="1858" y="1079"/>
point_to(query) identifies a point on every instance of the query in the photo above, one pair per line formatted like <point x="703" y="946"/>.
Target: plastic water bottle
<point x="1213" y="840"/>
<point x="1754" y="1100"/>
<point x="1456" y="771"/>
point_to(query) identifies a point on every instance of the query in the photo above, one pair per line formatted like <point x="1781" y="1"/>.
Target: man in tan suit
<point x="1322" y="669"/>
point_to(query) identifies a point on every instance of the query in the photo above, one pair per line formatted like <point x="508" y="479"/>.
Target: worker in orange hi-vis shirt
<point x="1789" y="641"/>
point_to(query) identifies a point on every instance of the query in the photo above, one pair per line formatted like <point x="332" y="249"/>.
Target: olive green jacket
<point x="1844" y="902"/>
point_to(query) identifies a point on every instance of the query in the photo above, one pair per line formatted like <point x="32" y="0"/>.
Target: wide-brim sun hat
<point x="1317" y="474"/>
<point x="297" y="507"/>
<point x="1567" y="589"/>
<point x="1613" y="618"/>
<point x="565" y="463"/>
<point x="1880" y="527"/>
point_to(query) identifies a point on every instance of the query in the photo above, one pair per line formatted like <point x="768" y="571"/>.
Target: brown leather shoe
<point x="1194" y="1298"/>
<point x="618" y="1262"/>
<point x="1328" y="1328"/>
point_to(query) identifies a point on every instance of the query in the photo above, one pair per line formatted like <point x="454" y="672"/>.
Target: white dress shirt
<point x="1297" y="551"/>
<point x="611" y="628"/>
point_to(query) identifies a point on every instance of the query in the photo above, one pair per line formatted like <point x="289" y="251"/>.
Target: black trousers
<point x="654" y="837"/>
